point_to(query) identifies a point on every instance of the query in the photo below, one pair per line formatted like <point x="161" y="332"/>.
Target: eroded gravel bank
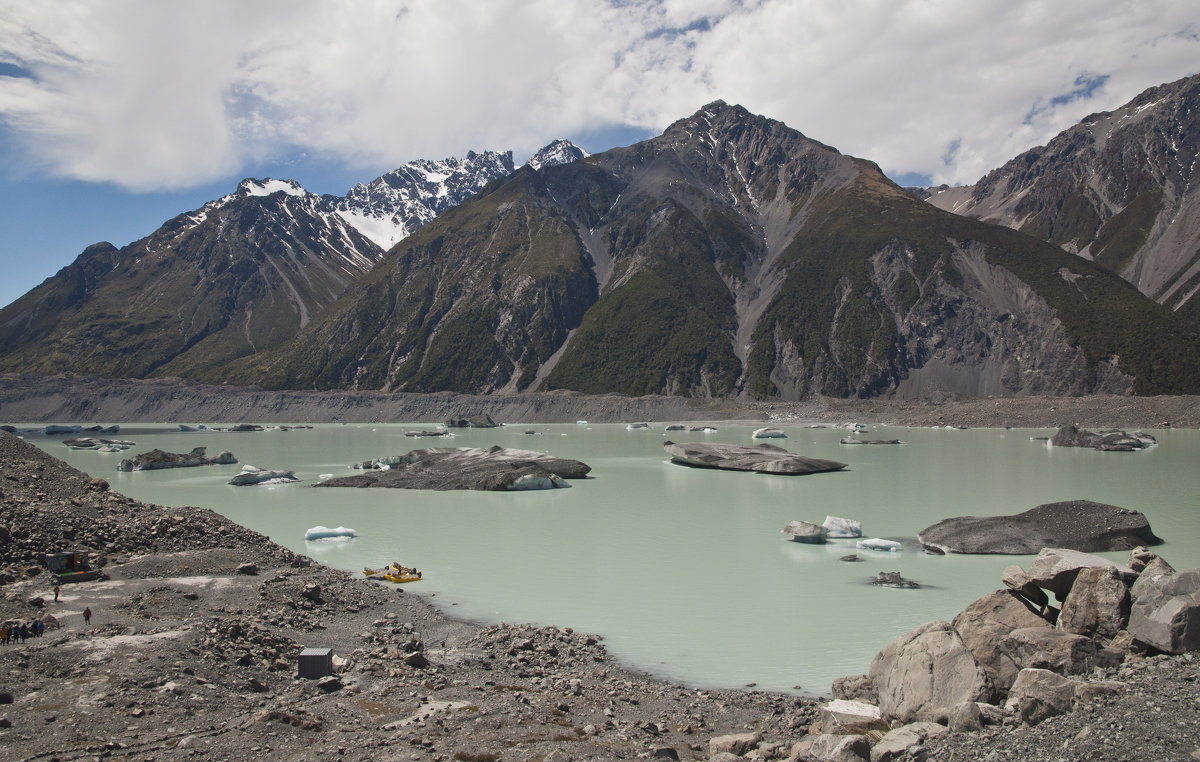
<point x="62" y="399"/>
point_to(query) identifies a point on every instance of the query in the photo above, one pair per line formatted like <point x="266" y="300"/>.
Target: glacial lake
<point x="683" y="571"/>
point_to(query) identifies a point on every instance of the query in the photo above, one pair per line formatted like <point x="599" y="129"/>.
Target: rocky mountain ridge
<point x="731" y="255"/>
<point x="1119" y="188"/>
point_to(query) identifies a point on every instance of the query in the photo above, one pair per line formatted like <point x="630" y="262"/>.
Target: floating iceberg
<point x="251" y="475"/>
<point x="839" y="527"/>
<point x="805" y="531"/>
<point x="331" y="534"/>
<point x="768" y="433"/>
<point x="877" y="544"/>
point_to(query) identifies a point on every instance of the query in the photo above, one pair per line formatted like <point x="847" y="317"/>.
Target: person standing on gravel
<point x="87" y="615"/>
<point x="56" y="593"/>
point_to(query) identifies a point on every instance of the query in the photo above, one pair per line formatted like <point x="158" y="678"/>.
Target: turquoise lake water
<point x="683" y="571"/>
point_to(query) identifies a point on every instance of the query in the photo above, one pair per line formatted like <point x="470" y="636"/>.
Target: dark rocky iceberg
<point x="763" y="458"/>
<point x="446" y="468"/>
<point x="1075" y="524"/>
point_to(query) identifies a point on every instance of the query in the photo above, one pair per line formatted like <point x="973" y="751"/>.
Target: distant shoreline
<point x="74" y="399"/>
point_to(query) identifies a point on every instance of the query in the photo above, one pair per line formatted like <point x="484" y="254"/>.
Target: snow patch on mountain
<point x="392" y="207"/>
<point x="253" y="187"/>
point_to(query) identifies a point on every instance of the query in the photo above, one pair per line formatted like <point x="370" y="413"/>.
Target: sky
<point x="116" y="115"/>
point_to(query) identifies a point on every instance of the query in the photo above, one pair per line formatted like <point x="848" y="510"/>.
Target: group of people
<point x="10" y="632"/>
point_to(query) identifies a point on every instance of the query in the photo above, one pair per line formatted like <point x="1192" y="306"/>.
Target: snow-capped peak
<point x="557" y="152"/>
<point x="393" y="206"/>
<point x="254" y="187"/>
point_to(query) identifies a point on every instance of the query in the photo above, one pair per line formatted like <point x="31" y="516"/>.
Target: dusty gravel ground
<point x="187" y="657"/>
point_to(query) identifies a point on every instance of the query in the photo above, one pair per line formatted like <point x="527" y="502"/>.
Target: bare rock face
<point x="155" y="459"/>
<point x="984" y="624"/>
<point x="924" y="674"/>
<point x="1098" y="604"/>
<point x="1075" y="524"/>
<point x="764" y="458"/>
<point x="1166" y="615"/>
<point x="445" y="468"/>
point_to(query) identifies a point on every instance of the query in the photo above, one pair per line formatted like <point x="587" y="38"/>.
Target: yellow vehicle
<point x="394" y="573"/>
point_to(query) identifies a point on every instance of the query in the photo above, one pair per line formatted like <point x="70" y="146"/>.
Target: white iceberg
<point x="252" y="475"/>
<point x="839" y="527"/>
<point x="876" y="543"/>
<point x="332" y="534"/>
<point x="768" y="433"/>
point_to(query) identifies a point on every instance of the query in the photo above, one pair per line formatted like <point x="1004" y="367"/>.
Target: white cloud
<point x="165" y="95"/>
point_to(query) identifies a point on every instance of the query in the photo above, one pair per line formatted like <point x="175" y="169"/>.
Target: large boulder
<point x="1055" y="569"/>
<point x="1166" y="615"/>
<point x="1038" y="694"/>
<point x="1154" y="570"/>
<point x="898" y="743"/>
<point x="156" y="459"/>
<point x="923" y="674"/>
<point x="855" y="688"/>
<point x="1098" y="604"/>
<point x="1017" y="579"/>
<point x="985" y="623"/>
<point x="1077" y="524"/>
<point x="764" y="458"/>
<point x="446" y="468"/>
<point x="827" y="747"/>
<point x="734" y="743"/>
<point x="843" y="717"/>
<point x="1061" y="652"/>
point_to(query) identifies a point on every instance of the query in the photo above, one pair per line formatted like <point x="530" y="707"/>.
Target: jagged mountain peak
<point x="394" y="205"/>
<point x="556" y="153"/>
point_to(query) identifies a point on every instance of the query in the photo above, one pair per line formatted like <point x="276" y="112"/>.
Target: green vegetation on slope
<point x="665" y="328"/>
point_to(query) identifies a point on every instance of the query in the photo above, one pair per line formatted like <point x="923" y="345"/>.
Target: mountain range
<point x="237" y="276"/>
<point x="730" y="255"/>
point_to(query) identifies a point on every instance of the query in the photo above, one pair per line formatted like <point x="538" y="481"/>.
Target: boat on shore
<point x="394" y="572"/>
